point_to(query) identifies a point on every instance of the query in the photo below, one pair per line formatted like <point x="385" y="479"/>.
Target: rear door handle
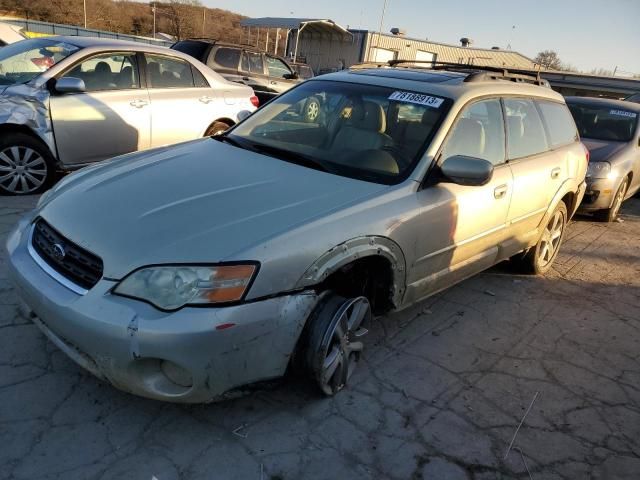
<point x="555" y="173"/>
<point x="206" y="99"/>
<point x="273" y="82"/>
<point x="139" y="103"/>
<point x="500" y="191"/>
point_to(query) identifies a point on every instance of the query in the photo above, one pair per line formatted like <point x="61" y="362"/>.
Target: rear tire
<point x="333" y="340"/>
<point x="610" y="214"/>
<point x="26" y="165"/>
<point x="216" y="129"/>
<point x="539" y="258"/>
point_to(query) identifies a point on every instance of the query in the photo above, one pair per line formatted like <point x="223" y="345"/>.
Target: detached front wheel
<point x="334" y="343"/>
<point x="539" y="258"/>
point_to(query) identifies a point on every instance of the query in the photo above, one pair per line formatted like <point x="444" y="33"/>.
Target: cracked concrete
<point x="440" y="392"/>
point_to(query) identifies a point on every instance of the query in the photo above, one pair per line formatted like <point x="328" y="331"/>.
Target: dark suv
<point x="268" y="75"/>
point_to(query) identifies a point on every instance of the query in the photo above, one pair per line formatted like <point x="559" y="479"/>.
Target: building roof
<point x="455" y="53"/>
<point x="312" y="25"/>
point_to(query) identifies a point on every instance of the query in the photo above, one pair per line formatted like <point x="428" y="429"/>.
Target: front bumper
<point x="599" y="194"/>
<point x="192" y="355"/>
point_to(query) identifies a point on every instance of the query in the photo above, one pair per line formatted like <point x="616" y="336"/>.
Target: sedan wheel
<point x="610" y="214"/>
<point x="335" y="342"/>
<point x="26" y="167"/>
<point x="22" y="170"/>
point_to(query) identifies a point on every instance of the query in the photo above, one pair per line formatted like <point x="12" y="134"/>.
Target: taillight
<point x="586" y="151"/>
<point x="255" y="101"/>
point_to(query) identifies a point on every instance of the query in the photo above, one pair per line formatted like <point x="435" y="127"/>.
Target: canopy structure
<point x="298" y="26"/>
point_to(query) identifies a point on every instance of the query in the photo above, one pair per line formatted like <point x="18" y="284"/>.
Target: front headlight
<point x="598" y="169"/>
<point x="172" y="287"/>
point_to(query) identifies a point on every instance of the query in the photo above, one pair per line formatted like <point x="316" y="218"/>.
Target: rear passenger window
<point x="561" y="128"/>
<point x="166" y="72"/>
<point x="227" y="57"/>
<point x="525" y="132"/>
<point x="198" y="78"/>
<point x="479" y="133"/>
<point x="252" y="62"/>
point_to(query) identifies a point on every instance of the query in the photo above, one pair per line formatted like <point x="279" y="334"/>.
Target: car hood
<point x="201" y="201"/>
<point x="602" y="150"/>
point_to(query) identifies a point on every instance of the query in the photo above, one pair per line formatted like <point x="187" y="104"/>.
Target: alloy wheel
<point x="551" y="238"/>
<point x="22" y="170"/>
<point x="341" y="345"/>
<point x="313" y="109"/>
<point x="617" y="202"/>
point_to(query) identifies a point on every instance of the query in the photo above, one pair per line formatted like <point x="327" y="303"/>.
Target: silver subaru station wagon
<point x="69" y="101"/>
<point x="187" y="272"/>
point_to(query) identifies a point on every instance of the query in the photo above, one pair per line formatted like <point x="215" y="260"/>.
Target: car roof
<point x="447" y="83"/>
<point x="605" y="102"/>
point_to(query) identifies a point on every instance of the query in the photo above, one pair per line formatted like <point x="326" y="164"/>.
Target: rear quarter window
<point x="561" y="128"/>
<point x="227" y="57"/>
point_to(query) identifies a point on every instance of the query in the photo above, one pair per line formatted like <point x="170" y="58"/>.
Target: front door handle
<point x="273" y="82"/>
<point x="206" y="99"/>
<point x="555" y="173"/>
<point x="500" y="191"/>
<point x="139" y="103"/>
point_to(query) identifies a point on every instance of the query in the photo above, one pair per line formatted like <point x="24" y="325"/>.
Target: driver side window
<point x="108" y="71"/>
<point x="478" y="132"/>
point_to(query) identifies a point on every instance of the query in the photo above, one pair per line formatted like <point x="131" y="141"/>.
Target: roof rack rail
<point x="479" y="73"/>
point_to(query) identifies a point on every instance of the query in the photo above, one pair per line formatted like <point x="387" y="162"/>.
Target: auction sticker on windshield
<point x="418" y="98"/>
<point x="623" y="113"/>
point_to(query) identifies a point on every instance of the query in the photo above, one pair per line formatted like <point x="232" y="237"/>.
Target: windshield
<point x="22" y="61"/>
<point x="604" y="122"/>
<point x="361" y="131"/>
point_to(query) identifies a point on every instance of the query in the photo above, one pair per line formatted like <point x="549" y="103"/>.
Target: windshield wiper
<point x="244" y="144"/>
<point x="289" y="156"/>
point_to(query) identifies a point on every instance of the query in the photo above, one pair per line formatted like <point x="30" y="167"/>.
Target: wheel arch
<point x="226" y="120"/>
<point x="7" y="128"/>
<point x="384" y="252"/>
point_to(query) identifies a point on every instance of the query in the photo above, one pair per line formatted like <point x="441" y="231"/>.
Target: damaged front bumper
<point x="193" y="355"/>
<point x="600" y="193"/>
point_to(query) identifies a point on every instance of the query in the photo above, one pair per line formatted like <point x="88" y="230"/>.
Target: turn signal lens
<point x="255" y="101"/>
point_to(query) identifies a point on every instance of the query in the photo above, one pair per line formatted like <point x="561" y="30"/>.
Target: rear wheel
<point x="26" y="166"/>
<point x="539" y="258"/>
<point x="334" y="340"/>
<point x="610" y="214"/>
<point x="216" y="129"/>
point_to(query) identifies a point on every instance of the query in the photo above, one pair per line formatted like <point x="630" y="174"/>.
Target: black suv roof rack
<point x="480" y="73"/>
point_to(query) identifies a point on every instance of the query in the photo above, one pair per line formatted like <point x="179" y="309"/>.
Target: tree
<point x="548" y="59"/>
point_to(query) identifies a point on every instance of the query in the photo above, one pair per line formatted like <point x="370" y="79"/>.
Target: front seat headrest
<point x="369" y="116"/>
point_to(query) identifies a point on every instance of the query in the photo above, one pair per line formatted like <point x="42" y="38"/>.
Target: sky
<point x="587" y="34"/>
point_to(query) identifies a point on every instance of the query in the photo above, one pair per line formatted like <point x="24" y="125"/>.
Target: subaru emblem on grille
<point x="58" y="252"/>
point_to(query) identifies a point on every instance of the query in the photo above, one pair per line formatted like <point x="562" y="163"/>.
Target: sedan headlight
<point x="598" y="169"/>
<point x="172" y="287"/>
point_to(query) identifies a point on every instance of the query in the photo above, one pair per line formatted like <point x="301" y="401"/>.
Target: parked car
<point x="633" y="98"/>
<point x="268" y="75"/>
<point x="69" y="101"/>
<point x="188" y="272"/>
<point x="10" y="34"/>
<point x="609" y="129"/>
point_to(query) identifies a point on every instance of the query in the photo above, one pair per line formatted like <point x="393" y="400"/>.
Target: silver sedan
<point x="69" y="101"/>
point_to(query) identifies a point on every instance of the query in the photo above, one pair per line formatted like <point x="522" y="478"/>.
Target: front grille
<point x="68" y="259"/>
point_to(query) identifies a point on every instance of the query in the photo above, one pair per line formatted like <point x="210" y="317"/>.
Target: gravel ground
<point x="441" y="391"/>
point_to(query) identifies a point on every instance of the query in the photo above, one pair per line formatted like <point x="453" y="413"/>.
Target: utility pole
<point x="204" y="18"/>
<point x="84" y="7"/>
<point x="384" y="10"/>
<point x="153" y="9"/>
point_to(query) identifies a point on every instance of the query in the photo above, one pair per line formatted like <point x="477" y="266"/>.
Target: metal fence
<point x="46" y="28"/>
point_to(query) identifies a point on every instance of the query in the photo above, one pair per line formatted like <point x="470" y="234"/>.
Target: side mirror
<point x="70" y="85"/>
<point x="290" y="76"/>
<point x="465" y="170"/>
<point x="243" y="114"/>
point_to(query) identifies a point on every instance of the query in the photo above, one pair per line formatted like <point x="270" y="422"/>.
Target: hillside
<point x="180" y="18"/>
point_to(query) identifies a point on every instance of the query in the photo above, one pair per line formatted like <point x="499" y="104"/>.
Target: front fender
<point x="354" y="249"/>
